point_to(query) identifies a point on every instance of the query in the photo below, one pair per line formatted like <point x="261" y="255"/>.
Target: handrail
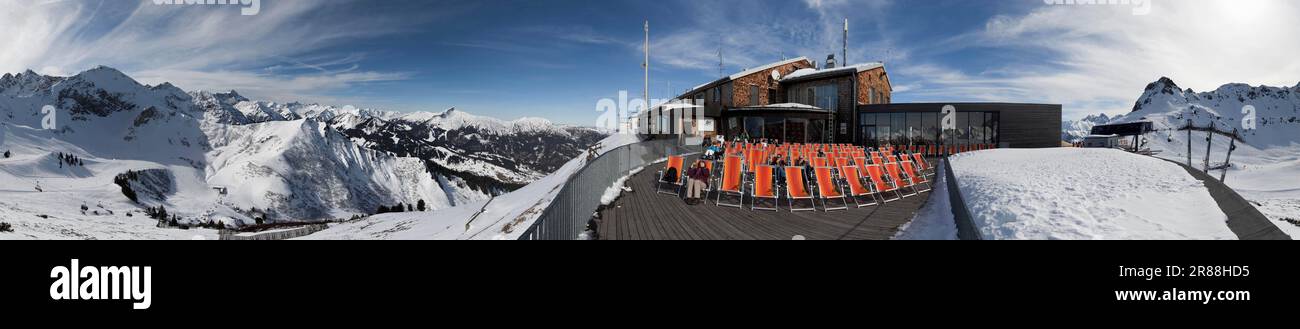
<point x="566" y="217"/>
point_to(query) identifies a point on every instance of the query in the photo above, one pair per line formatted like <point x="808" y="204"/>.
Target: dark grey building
<point x="1007" y="125"/>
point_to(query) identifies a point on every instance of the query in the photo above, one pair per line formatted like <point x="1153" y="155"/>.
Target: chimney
<point x="830" y="61"/>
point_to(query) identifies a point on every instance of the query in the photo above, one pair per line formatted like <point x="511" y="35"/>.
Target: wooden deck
<point x="646" y="215"/>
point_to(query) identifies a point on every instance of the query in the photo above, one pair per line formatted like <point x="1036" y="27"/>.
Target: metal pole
<point x="1227" y="163"/>
<point x="1209" y="140"/>
<point x="845" y="57"/>
<point x="646" y="65"/>
<point x="1189" y="143"/>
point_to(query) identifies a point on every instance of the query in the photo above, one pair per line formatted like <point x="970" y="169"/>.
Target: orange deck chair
<point x="895" y="173"/>
<point x="764" y="188"/>
<point x="841" y="162"/>
<point x="796" y="189"/>
<point x="877" y="175"/>
<point x="827" y="189"/>
<point x="732" y="182"/>
<point x="856" y="188"/>
<point x="861" y="162"/>
<point x="921" y="165"/>
<point x="674" y="162"/>
<point x="916" y="177"/>
<point x="820" y="162"/>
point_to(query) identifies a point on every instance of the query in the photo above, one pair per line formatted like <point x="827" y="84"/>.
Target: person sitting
<point x="696" y="182"/>
<point x="712" y="152"/>
<point x="807" y="168"/>
<point x="777" y="163"/>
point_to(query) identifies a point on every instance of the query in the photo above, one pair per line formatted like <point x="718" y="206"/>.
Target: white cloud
<point x="758" y="33"/>
<point x="274" y="55"/>
<point x="1099" y="58"/>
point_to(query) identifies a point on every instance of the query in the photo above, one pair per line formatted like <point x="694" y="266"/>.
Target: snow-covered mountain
<point x="1276" y="112"/>
<point x="226" y="158"/>
<point x="1074" y="131"/>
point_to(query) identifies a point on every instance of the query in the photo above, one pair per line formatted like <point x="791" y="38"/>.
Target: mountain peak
<point x="104" y="74"/>
<point x="1165" y="82"/>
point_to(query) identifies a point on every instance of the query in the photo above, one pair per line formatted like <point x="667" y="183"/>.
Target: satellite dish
<point x="776" y="75"/>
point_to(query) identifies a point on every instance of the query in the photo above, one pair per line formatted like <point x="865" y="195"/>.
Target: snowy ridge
<point x="281" y="161"/>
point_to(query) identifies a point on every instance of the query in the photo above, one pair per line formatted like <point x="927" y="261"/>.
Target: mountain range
<point x="228" y="159"/>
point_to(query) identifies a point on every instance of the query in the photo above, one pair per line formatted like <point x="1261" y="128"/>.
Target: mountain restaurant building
<point x="795" y="101"/>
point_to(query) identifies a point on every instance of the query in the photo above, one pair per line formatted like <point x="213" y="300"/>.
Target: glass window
<point x="899" y="128"/>
<point x="991" y="121"/>
<point x="810" y="97"/>
<point x="963" y="128"/>
<point x="754" y="127"/>
<point x="753" y="95"/>
<point x="977" y="127"/>
<point x="882" y="128"/>
<point x="796" y="130"/>
<point x="828" y="97"/>
<point x="726" y="94"/>
<point x="914" y="128"/>
<point x="816" y="131"/>
<point x="774" y="127"/>
<point x="930" y="127"/>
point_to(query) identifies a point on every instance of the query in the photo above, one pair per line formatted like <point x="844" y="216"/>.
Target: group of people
<point x="697" y="176"/>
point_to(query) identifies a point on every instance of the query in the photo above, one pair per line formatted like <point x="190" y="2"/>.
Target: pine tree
<point x="420" y="205"/>
<point x="7" y="154"/>
<point x="409" y="208"/>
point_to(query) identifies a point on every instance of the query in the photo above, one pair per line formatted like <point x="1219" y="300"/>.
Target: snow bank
<point x="1072" y="193"/>
<point x="935" y="220"/>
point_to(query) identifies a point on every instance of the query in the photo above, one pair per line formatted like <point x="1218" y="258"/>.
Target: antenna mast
<point x="646" y="65"/>
<point x="845" y="58"/>
<point x="721" y="70"/>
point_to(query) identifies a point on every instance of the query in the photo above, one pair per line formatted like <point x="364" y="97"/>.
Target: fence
<point x="567" y="215"/>
<point x="274" y="235"/>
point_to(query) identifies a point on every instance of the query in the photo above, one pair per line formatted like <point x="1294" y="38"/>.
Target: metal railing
<point x="567" y="215"/>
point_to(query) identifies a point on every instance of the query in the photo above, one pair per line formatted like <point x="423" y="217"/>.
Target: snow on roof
<point x="1101" y="136"/>
<point x="856" y="67"/>
<point x="782" y="106"/>
<point x="765" y="67"/>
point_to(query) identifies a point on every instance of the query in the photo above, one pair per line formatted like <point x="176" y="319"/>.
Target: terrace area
<point x="644" y="214"/>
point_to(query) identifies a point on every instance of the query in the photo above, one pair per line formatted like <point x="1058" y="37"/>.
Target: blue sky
<point x="555" y="59"/>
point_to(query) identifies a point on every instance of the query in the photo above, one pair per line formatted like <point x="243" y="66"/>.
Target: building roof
<point x="783" y="107"/>
<point x="765" y="67"/>
<point x="808" y="74"/>
<point x="744" y="73"/>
